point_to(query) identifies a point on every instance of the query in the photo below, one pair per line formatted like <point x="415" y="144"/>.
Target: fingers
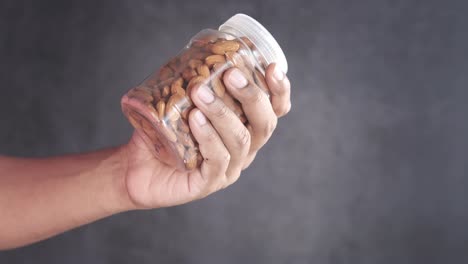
<point x="216" y="156"/>
<point x="256" y="106"/>
<point x="280" y="90"/>
<point x="225" y="143"/>
<point x="232" y="132"/>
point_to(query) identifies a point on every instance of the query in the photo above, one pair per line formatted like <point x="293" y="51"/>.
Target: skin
<point x="40" y="198"/>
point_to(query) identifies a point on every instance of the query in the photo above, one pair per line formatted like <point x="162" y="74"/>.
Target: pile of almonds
<point x="167" y="92"/>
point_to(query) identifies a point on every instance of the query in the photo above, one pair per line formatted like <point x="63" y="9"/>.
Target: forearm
<point x="54" y="165"/>
<point x="40" y="198"/>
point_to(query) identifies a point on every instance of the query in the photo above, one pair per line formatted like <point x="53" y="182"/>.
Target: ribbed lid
<point x="266" y="44"/>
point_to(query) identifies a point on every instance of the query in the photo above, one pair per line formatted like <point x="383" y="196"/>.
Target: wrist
<point x="114" y="169"/>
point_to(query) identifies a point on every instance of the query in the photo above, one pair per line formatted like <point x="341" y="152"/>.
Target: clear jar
<point x="158" y="108"/>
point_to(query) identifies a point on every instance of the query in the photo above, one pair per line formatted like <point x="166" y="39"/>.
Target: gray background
<point x="369" y="167"/>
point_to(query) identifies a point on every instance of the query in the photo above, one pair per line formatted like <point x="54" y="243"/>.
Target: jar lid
<point x="266" y="44"/>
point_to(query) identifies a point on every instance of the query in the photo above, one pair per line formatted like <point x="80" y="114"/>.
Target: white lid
<point x="266" y="44"/>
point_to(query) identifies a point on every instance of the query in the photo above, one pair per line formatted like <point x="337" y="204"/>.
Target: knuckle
<point x="222" y="111"/>
<point x="288" y="107"/>
<point x="256" y="97"/>
<point x="270" y="127"/>
<point x="243" y="137"/>
<point x="286" y="85"/>
<point x="232" y="176"/>
<point x="246" y="165"/>
<point x="220" y="159"/>
<point x="249" y="160"/>
<point x="226" y="157"/>
<point x="214" y="188"/>
<point x="209" y="190"/>
<point x="283" y="109"/>
<point x="226" y="182"/>
<point x="221" y="182"/>
<point x="279" y="109"/>
<point x="233" y="179"/>
<point x="205" y="191"/>
<point x="211" y="136"/>
<point x="279" y="90"/>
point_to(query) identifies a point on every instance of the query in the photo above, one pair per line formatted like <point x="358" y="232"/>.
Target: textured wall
<point x="369" y="167"/>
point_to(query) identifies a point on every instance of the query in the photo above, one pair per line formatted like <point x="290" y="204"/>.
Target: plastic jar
<point x="158" y="108"/>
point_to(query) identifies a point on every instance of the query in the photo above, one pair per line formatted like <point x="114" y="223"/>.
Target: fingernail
<point x="237" y="79"/>
<point x="200" y="117"/>
<point x="278" y="74"/>
<point x="205" y="94"/>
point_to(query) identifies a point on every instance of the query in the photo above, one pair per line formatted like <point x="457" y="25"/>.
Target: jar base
<point x="159" y="139"/>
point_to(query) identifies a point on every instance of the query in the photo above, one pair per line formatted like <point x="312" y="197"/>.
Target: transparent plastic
<point x="158" y="108"/>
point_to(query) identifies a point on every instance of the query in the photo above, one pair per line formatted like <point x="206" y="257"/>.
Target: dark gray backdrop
<point x="369" y="167"/>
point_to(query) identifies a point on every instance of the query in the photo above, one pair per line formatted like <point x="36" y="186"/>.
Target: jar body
<point x="159" y="107"/>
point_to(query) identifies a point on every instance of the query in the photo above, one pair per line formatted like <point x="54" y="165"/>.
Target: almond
<point x="172" y="114"/>
<point x="142" y="95"/>
<point x="146" y="126"/>
<point x="166" y="91"/>
<point x="194" y="63"/>
<point x="176" y="87"/>
<point x="248" y="42"/>
<point x="143" y="88"/>
<point x="151" y="82"/>
<point x="188" y="74"/>
<point x="221" y="47"/>
<point x="179" y="81"/>
<point x="180" y="150"/>
<point x="194" y="81"/>
<point x="218" y="86"/>
<point x="201" y="55"/>
<point x="171" y="107"/>
<point x="219" y="67"/>
<point x="134" y="119"/>
<point x="175" y="65"/>
<point x="203" y="70"/>
<point x="165" y="73"/>
<point x="156" y="94"/>
<point x="213" y="59"/>
<point x="235" y="59"/>
<point x="188" y="54"/>
<point x="198" y="43"/>
<point x="161" y="106"/>
<point x="191" y="159"/>
<point x="203" y="39"/>
<point x="180" y="90"/>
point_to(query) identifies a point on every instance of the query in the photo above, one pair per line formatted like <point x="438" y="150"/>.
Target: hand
<point x="226" y="144"/>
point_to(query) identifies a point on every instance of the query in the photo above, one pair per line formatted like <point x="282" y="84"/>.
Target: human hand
<point x="227" y="145"/>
